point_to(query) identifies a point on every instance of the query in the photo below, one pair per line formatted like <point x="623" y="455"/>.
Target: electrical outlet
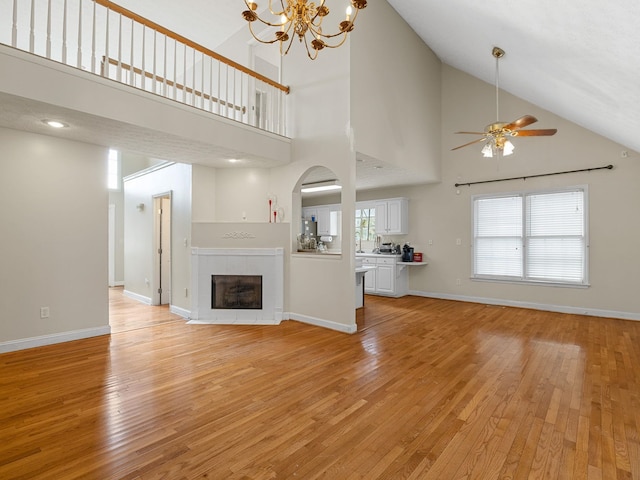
<point x="44" y="312"/>
<point x="186" y="292"/>
<point x="458" y="282"/>
<point x="458" y="241"/>
<point x="430" y="242"/>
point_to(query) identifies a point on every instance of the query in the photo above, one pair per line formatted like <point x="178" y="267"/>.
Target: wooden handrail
<point x="133" y="16"/>
<point x="157" y="78"/>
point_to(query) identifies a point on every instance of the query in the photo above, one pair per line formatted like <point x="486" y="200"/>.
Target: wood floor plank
<point x="427" y="389"/>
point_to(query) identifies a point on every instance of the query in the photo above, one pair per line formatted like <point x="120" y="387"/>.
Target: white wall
<point x="54" y="239"/>
<point x="203" y="193"/>
<point x="242" y="195"/>
<point x="395" y="93"/>
<point x="139" y="228"/>
<point x="319" y="123"/>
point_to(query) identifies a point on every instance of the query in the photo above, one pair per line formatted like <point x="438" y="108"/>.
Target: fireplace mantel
<point x="267" y="262"/>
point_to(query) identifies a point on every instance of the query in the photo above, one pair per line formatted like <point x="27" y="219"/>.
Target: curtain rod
<point x="608" y="167"/>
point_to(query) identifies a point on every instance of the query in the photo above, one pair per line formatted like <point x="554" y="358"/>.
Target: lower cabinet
<point x="387" y="278"/>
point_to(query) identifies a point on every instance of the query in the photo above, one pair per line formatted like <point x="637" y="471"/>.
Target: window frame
<point x="524" y="238"/>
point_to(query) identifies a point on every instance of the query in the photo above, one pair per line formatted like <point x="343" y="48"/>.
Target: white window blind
<point x="535" y="237"/>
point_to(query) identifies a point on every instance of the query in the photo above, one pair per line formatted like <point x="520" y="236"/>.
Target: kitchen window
<point x="365" y="224"/>
<point x="534" y="237"/>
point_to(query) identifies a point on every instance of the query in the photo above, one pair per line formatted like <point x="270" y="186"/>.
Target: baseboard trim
<point x="320" y="322"/>
<point x="183" y="312"/>
<point x="592" y="312"/>
<point x="233" y="322"/>
<point x="41" y="341"/>
<point x="140" y="298"/>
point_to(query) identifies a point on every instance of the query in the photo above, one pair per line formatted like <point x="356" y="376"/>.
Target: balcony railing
<point x="103" y="38"/>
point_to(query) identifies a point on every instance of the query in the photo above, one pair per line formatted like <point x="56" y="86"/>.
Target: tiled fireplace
<point x="237" y="285"/>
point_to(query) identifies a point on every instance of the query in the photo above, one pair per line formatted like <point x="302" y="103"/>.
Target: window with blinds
<point x="531" y="237"/>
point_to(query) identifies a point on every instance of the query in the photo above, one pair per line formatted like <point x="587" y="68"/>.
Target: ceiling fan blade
<point x="521" y="122"/>
<point x="470" y="143"/>
<point x="535" y="133"/>
<point x="473" y="133"/>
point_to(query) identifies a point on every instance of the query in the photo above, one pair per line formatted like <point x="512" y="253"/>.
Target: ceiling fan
<point x="497" y="134"/>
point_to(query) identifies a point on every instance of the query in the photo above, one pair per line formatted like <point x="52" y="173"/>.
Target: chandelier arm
<point x="289" y="46"/>
<point x="306" y="45"/>
<point x="344" y="39"/>
<point x="268" y="42"/>
<point x="345" y="32"/>
<point x="281" y="12"/>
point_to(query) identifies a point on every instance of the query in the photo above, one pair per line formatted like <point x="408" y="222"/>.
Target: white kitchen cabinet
<point x="387" y="278"/>
<point x="392" y="216"/>
<point x="310" y="213"/>
<point x="327" y="216"/>
<point x="370" y="276"/>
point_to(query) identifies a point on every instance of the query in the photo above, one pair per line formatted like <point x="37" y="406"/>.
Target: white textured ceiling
<point x="577" y="59"/>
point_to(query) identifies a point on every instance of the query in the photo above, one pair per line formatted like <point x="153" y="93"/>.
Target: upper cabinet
<point x="392" y="216"/>
<point x="327" y="216"/>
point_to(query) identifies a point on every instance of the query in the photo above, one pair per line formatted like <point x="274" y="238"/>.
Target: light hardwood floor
<point x="430" y="389"/>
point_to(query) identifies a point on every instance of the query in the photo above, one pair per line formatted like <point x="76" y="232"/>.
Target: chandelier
<point x="299" y="18"/>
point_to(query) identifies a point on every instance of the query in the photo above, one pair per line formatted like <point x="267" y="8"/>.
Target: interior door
<point x="164" y="250"/>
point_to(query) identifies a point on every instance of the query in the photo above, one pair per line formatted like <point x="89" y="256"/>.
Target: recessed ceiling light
<point x="233" y="160"/>
<point x="55" y="123"/>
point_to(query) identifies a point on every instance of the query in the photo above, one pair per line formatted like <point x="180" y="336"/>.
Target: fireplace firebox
<point x="236" y="292"/>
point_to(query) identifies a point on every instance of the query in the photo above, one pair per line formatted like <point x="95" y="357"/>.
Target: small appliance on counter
<point x="388" y="248"/>
<point x="407" y="253"/>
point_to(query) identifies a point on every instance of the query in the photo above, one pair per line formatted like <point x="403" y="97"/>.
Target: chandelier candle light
<point x="300" y="17"/>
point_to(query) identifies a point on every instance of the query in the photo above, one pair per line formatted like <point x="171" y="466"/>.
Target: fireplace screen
<point x="236" y="292"/>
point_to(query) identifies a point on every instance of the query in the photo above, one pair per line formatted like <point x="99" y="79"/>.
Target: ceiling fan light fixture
<point x="487" y="150"/>
<point x="497" y="134"/>
<point x="508" y="148"/>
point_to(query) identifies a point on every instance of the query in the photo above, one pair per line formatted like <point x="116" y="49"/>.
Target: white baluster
<point x="106" y="63"/>
<point x="119" y="75"/>
<point x="210" y="84"/>
<point x="184" y="75"/>
<point x="154" y="67"/>
<point x="235" y="89"/>
<point x="14" y="28"/>
<point x="202" y="82"/>
<point x="164" y="75"/>
<point x="193" y="77"/>
<point x="80" y="34"/>
<point x="132" y="79"/>
<point x="32" y="38"/>
<point x="219" y="87"/>
<point x="64" y="33"/>
<point x="48" y="54"/>
<point x="93" y="40"/>
<point x="144" y="55"/>
<point x="226" y="95"/>
<point x="175" y="70"/>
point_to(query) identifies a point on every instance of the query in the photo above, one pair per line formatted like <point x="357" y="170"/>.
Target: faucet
<point x="359" y="240"/>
